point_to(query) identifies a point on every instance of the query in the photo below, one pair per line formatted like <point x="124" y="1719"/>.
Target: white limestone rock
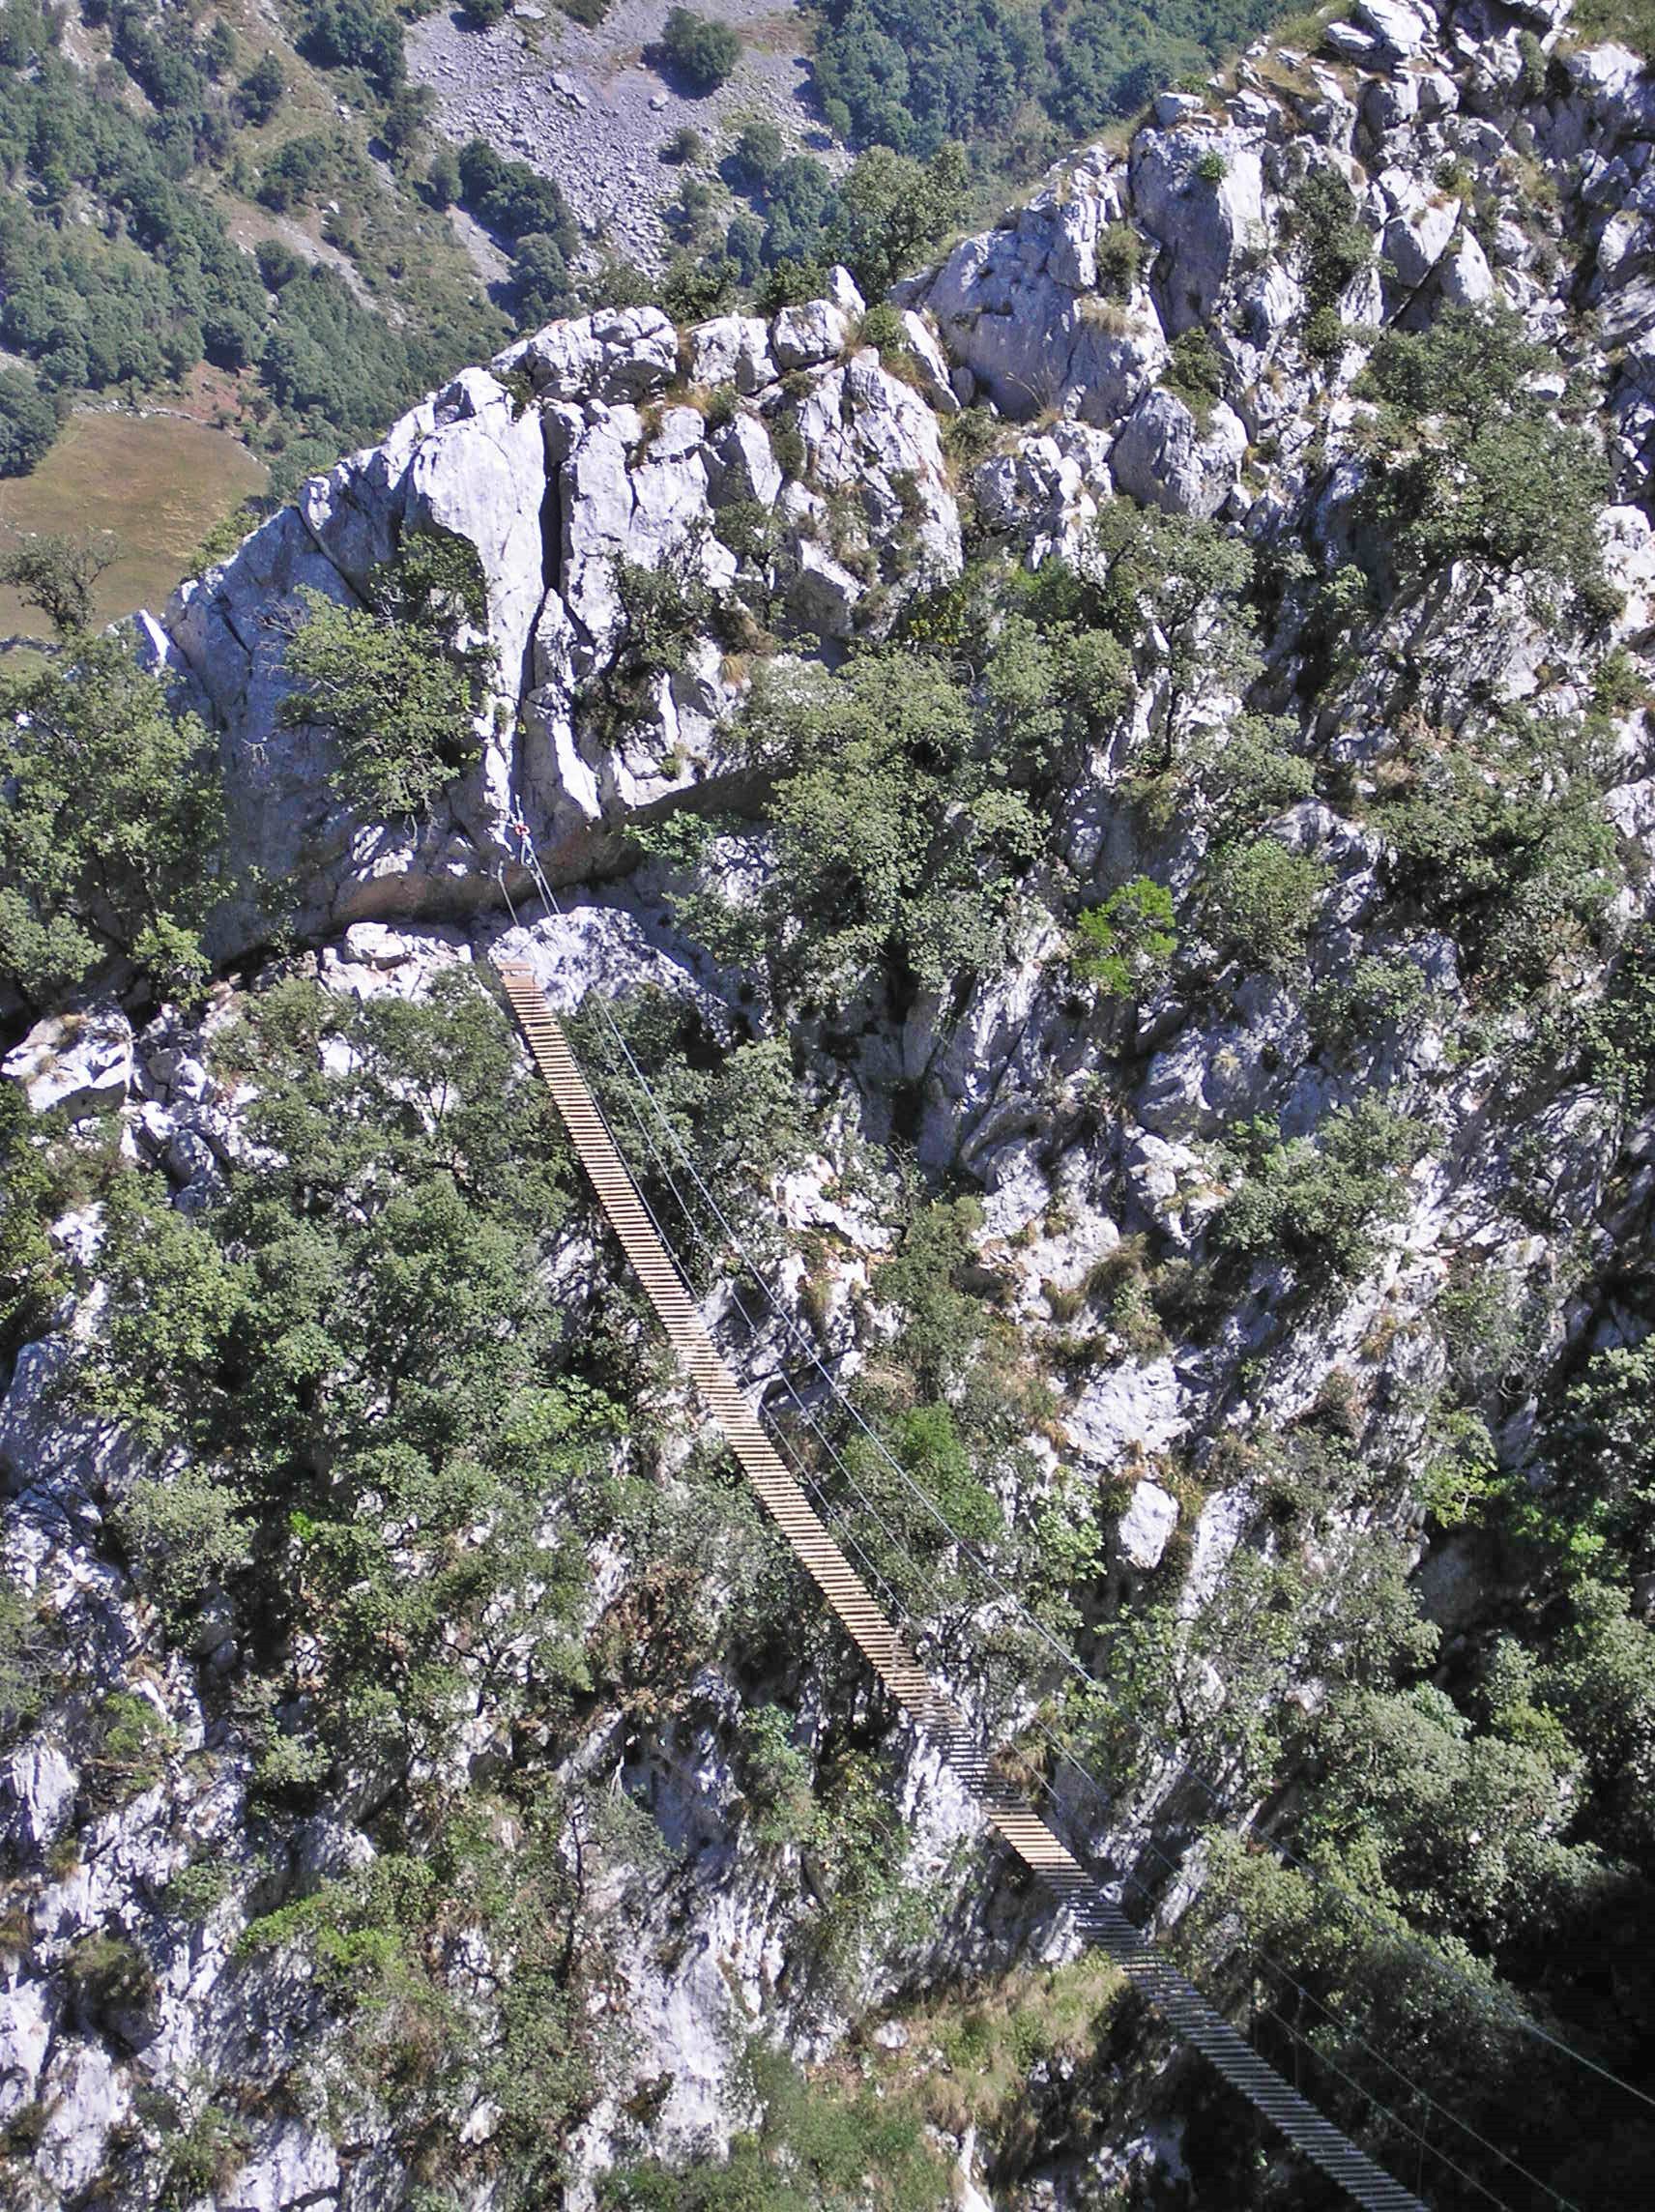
<point x="865" y="430"/>
<point x="86" y="2095"/>
<point x="1047" y="488"/>
<point x="822" y="594"/>
<point x="295" y="2170"/>
<point x="1203" y="225"/>
<point x="36" y="1793"/>
<point x="931" y="362"/>
<point x="741" y="463"/>
<point x="1464" y="275"/>
<point x="74" y="1064"/>
<point x="1416" y="236"/>
<point x="1136" y="1407"/>
<point x="1018" y="306"/>
<point x="733" y="349"/>
<point x="1145" y="1529"/>
<point x="616" y="355"/>
<point x="469" y="461"/>
<point x="1164" y="457"/>
<point x="802" y="336"/>
<point x="29" y="2009"/>
<point x="1398" y="30"/>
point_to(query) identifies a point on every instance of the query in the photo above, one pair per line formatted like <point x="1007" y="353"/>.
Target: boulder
<point x="37" y="1787"/>
<point x="843" y="293"/>
<point x="1417" y="234"/>
<point x="296" y="2166"/>
<point x="1352" y="44"/>
<point x="1175" y="108"/>
<point x="469" y="462"/>
<point x="1464" y="276"/>
<point x="28" y="2010"/>
<point x="801" y="337"/>
<point x="1399" y="31"/>
<point x="1164" y="457"/>
<point x="1204" y="224"/>
<point x="1134" y="1407"/>
<point x="1018" y="308"/>
<point x="74" y="1064"/>
<point x="822" y="594"/>
<point x="741" y="463"/>
<point x="1144" y="1529"/>
<point x="732" y="349"/>
<point x="86" y="2096"/>
<point x="616" y="353"/>
<point x="866" y="431"/>
<point x="931" y="362"/>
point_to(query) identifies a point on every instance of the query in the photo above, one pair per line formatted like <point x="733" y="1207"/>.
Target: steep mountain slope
<point x="1110" y="797"/>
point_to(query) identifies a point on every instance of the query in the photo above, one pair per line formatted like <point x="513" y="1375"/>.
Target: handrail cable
<point x="1069" y="1659"/>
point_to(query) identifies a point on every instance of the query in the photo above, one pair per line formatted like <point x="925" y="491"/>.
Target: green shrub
<point x="28" y="424"/>
<point x="782" y="1807"/>
<point x="1315" y="1202"/>
<point x="185" y="1533"/>
<point x="1128" y="943"/>
<point x="759" y="153"/>
<point x="203" y="2158"/>
<point x="356" y="34"/>
<point x="1502" y="839"/>
<point x="263" y="88"/>
<point x="109" y="1973"/>
<point x="1260" y="899"/>
<point x="1212" y="168"/>
<point x="22" y="1661"/>
<point x="1325" y="334"/>
<point x="59" y="575"/>
<point x="1474" y="466"/>
<point x="882" y="327"/>
<point x="390" y="680"/>
<point x="111" y="832"/>
<point x="377" y="1361"/>
<point x="700" y="50"/>
<point x="1195" y="372"/>
<point x="1119" y="258"/>
<point x="1333" y="242"/>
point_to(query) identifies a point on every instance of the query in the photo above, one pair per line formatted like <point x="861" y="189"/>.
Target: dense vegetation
<point x="120" y="264"/>
<point x="393" y="679"/>
<point x="1473" y="1799"/>
<point x="1015" y="83"/>
<point x="109" y="837"/>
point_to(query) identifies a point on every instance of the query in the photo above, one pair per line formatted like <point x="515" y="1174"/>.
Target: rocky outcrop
<point x="558" y="466"/>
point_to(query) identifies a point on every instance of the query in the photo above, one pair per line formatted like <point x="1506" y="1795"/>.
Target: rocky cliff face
<point x="815" y="486"/>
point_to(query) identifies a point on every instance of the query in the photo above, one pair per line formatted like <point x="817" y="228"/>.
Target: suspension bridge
<point x="1096" y="1915"/>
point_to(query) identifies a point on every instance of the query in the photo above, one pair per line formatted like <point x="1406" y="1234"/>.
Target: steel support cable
<point x="1061" y="1752"/>
<point x="1181" y="2004"/>
<point x="1067" y="1658"/>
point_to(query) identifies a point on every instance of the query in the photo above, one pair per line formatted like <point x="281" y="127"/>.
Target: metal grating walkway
<point x="1097" y="1915"/>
